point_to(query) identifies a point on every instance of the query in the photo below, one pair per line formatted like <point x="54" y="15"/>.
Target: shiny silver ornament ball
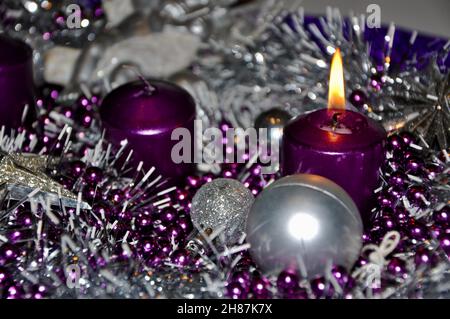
<point x="305" y="222"/>
<point x="274" y="120"/>
<point x="222" y="202"/>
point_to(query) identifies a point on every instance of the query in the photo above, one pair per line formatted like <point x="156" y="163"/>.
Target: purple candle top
<point x="148" y="110"/>
<point x="335" y="130"/>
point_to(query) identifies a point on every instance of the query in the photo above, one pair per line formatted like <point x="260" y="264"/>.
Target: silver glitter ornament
<point x="305" y="222"/>
<point x="274" y="121"/>
<point x="225" y="203"/>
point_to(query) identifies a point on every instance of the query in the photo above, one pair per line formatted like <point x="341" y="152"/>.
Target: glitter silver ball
<point x="274" y="120"/>
<point x="222" y="202"/>
<point x="304" y="221"/>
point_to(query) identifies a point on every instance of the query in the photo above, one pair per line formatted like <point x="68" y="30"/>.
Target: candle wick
<point x="148" y="88"/>
<point x="335" y="121"/>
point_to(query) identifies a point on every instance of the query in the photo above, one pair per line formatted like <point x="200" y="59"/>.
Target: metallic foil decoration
<point x="22" y="174"/>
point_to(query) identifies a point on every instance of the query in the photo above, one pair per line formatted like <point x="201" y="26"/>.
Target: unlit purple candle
<point x="145" y="114"/>
<point x="16" y="81"/>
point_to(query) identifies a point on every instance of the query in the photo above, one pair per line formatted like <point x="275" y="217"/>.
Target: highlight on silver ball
<point x="305" y="222"/>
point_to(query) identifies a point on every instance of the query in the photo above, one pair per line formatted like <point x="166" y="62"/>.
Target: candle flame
<point x="336" y="91"/>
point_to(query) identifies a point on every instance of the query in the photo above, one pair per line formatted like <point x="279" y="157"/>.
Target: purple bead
<point x="442" y="216"/>
<point x="155" y="260"/>
<point x="15" y="291"/>
<point x="418" y="231"/>
<point x="67" y="112"/>
<point x="436" y="230"/>
<point x="194" y="181"/>
<point x="91" y="192"/>
<point x="408" y="138"/>
<point x="93" y="175"/>
<point x="395" y="142"/>
<point x="396" y="192"/>
<point x="414" y="164"/>
<point x="76" y="169"/>
<point x="287" y="281"/>
<point x="358" y="98"/>
<point x="25" y="218"/>
<point x="182" y="196"/>
<point x="361" y="262"/>
<point x="39" y="291"/>
<point x="376" y="81"/>
<point x="16" y="235"/>
<point x="165" y="247"/>
<point x="397" y="267"/>
<point x="4" y="277"/>
<point x="147" y="246"/>
<point x="185" y="223"/>
<point x="424" y="257"/>
<point x="65" y="181"/>
<point x="444" y="241"/>
<point x="401" y="215"/>
<point x="235" y="291"/>
<point x="125" y="216"/>
<point x="321" y="288"/>
<point x="260" y="288"/>
<point x="241" y="277"/>
<point x="431" y="171"/>
<point x="384" y="199"/>
<point x="168" y="215"/>
<point x="8" y="253"/>
<point x="175" y="232"/>
<point x="417" y="195"/>
<point x="398" y="179"/>
<point x="388" y="223"/>
<point x="144" y="221"/>
<point x="181" y="257"/>
<point x="366" y="238"/>
<point x="208" y="177"/>
<point x="116" y="196"/>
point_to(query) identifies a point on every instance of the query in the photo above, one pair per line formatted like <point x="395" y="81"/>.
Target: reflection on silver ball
<point x="307" y="220"/>
<point x="222" y="202"/>
<point x="274" y="120"/>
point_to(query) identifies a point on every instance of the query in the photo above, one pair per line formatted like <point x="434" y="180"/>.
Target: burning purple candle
<point x="145" y="113"/>
<point x="16" y="81"/>
<point x="342" y="145"/>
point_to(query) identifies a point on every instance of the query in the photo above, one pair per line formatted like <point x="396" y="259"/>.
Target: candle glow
<point x="336" y="92"/>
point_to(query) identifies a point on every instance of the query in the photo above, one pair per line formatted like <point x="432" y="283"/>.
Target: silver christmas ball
<point x="306" y="222"/>
<point x="274" y="120"/>
<point x="222" y="202"/>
